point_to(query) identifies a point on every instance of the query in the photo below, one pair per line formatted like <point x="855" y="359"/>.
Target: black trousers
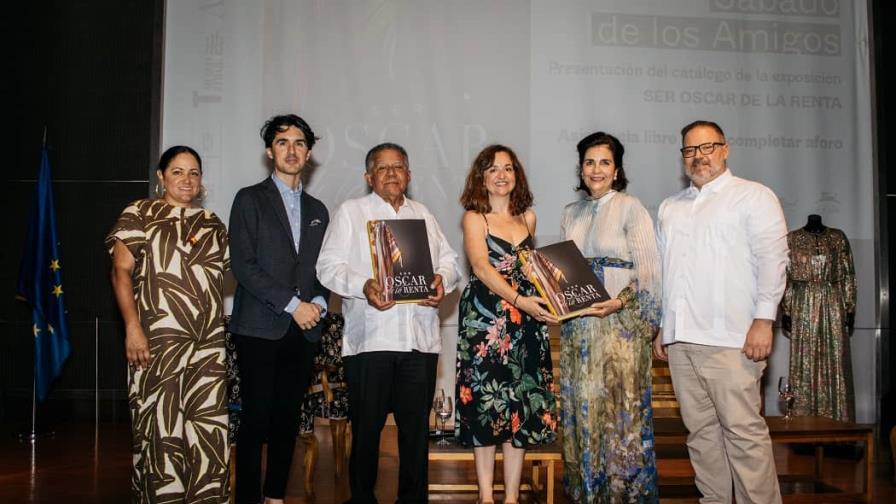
<point x="274" y="375"/>
<point x="403" y="383"/>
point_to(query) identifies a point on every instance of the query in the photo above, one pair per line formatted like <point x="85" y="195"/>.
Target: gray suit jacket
<point x="265" y="262"/>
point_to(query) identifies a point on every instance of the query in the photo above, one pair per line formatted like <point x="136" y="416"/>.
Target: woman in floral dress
<point x="504" y="376"/>
<point x="605" y="356"/>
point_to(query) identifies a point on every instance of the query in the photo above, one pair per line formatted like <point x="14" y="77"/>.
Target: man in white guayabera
<point x="723" y="242"/>
<point x="390" y="350"/>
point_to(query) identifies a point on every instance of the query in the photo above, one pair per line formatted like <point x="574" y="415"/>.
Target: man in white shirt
<point x="723" y="242"/>
<point x="390" y="350"/>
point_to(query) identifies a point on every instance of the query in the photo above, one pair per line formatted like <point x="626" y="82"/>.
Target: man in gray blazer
<point x="276" y="230"/>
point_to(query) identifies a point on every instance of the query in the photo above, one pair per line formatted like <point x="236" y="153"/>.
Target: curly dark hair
<point x="475" y="196"/>
<point x="282" y="123"/>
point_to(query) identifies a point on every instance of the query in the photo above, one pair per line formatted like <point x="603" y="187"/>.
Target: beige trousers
<point x="718" y="391"/>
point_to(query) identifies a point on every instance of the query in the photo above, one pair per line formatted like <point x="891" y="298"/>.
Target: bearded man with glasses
<point x="723" y="242"/>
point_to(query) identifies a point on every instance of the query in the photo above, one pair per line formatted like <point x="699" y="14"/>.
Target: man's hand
<point x="758" y="345"/>
<point x="659" y="351"/>
<point x="436" y="298"/>
<point x="374" y="294"/>
<point x="306" y="315"/>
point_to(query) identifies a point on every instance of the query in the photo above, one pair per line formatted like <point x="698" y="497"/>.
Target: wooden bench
<point x="544" y="456"/>
<point x="663" y="403"/>
<point x="799" y="430"/>
<point x="670" y="431"/>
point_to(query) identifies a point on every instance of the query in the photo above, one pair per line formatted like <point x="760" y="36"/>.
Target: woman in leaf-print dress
<point x="605" y="356"/>
<point x="168" y="262"/>
<point x="505" y="394"/>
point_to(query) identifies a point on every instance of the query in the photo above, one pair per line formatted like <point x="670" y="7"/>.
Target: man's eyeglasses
<point x="705" y="149"/>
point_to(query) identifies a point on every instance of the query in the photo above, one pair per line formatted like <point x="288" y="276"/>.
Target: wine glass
<point x="785" y="392"/>
<point x="444" y="413"/>
<point x="437" y="404"/>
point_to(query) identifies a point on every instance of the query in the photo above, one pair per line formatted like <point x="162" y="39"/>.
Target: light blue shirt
<point x="292" y="201"/>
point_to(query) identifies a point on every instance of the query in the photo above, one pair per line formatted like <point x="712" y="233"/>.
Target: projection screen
<point x="787" y="80"/>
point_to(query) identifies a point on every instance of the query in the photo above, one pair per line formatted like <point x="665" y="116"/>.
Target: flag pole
<point x="96" y="373"/>
<point x="33" y="408"/>
<point x="31" y="437"/>
<point x="34" y="435"/>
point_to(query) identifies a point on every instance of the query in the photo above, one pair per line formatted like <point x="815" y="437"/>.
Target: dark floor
<point x="84" y="464"/>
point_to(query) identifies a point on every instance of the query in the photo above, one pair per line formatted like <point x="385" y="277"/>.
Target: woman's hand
<point x="659" y="351"/>
<point x="137" y="347"/>
<point x="604" y="308"/>
<point x="536" y="307"/>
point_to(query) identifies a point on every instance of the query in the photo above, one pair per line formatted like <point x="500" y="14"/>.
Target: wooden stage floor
<point x="81" y="464"/>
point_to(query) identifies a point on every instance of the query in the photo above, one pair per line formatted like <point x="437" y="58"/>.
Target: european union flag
<point x="40" y="284"/>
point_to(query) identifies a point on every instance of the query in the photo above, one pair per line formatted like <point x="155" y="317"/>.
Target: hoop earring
<point x="203" y="193"/>
<point x="160" y="191"/>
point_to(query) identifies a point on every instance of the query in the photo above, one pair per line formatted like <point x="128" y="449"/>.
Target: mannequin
<point x="814" y="224"/>
<point x="817" y="314"/>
